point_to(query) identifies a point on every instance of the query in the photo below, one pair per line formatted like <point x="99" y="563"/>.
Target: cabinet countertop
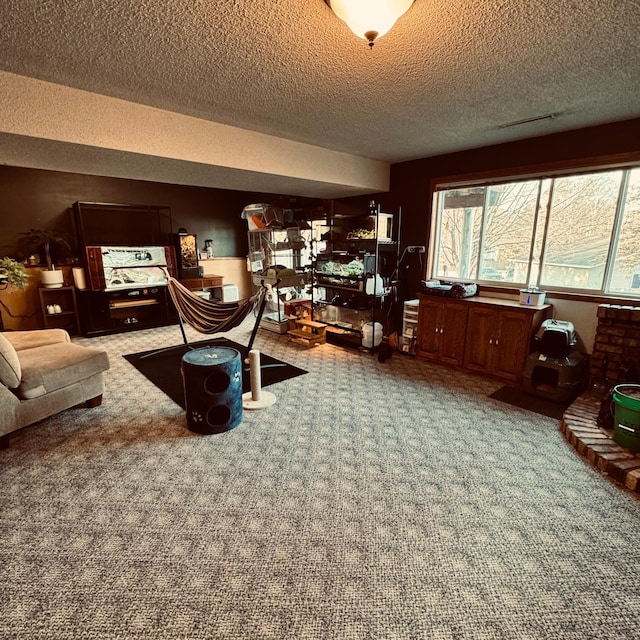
<point x="496" y="302"/>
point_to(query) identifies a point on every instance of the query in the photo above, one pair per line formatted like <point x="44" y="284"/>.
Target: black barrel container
<point x="212" y="379"/>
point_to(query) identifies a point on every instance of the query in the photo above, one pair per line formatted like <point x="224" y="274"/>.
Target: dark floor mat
<point x="518" y="398"/>
<point x="163" y="367"/>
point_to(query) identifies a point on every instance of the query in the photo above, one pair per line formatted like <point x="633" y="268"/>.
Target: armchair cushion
<point x="54" y="366"/>
<point x="10" y="370"/>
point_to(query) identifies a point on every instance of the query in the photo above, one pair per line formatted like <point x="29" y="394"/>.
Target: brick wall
<point x="618" y="340"/>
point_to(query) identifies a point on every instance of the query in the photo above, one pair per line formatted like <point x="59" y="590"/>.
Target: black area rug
<point x="518" y="398"/>
<point x="164" y="368"/>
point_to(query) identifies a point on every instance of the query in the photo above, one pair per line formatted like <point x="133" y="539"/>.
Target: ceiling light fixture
<point x="369" y="19"/>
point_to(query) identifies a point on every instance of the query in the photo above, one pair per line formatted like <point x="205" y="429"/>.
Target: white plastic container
<point x="371" y="334"/>
<point x="532" y="297"/>
<point x="374" y="285"/>
<point x="230" y="293"/>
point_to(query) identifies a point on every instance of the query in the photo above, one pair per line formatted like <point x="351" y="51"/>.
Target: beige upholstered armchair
<point x="42" y="373"/>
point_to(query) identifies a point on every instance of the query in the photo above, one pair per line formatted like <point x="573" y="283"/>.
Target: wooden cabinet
<point x="106" y="312"/>
<point x="487" y="335"/>
<point x="206" y="282"/>
<point x="499" y="339"/>
<point x="441" y="330"/>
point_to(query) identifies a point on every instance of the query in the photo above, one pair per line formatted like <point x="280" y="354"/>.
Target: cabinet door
<point x="94" y="306"/>
<point x="453" y="327"/>
<point x="428" y="329"/>
<point x="511" y="344"/>
<point x="481" y="335"/>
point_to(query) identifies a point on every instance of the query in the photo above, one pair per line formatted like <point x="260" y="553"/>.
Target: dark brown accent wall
<point x="35" y="198"/>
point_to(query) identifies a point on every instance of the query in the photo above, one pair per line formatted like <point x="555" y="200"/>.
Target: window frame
<point x="538" y="172"/>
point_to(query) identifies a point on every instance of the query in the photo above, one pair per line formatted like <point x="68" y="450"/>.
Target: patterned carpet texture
<point x="374" y="500"/>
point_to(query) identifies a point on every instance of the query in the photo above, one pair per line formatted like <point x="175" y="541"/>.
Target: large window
<point x="573" y="233"/>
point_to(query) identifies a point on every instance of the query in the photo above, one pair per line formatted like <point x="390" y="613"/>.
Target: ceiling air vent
<point x="517" y="123"/>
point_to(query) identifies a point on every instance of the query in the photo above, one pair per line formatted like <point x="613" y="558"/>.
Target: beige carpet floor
<point x="373" y="501"/>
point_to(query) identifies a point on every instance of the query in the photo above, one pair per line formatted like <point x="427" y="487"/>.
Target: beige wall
<point x="233" y="270"/>
<point x="583" y="315"/>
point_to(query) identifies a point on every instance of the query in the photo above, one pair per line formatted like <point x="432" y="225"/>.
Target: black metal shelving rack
<point x="351" y="299"/>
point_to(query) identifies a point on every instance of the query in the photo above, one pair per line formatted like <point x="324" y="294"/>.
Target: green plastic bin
<point x="626" y="431"/>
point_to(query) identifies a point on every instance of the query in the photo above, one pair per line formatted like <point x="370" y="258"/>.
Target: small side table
<point x="65" y="299"/>
<point x="206" y="282"/>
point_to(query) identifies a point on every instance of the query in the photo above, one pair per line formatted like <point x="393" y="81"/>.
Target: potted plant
<point x="34" y="241"/>
<point x="12" y="273"/>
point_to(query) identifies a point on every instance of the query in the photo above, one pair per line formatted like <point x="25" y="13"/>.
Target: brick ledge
<point x="580" y="428"/>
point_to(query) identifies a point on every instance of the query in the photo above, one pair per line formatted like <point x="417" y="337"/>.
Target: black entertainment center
<point x="105" y="312"/>
<point x="126" y="252"/>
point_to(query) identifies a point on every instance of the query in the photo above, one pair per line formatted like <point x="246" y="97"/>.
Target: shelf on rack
<point x="342" y="326"/>
<point x="286" y="281"/>
<point x="65" y="299"/>
<point x="343" y="338"/>
<point x="62" y="313"/>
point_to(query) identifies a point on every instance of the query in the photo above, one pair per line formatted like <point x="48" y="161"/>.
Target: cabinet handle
<point x="496" y="342"/>
<point x="490" y="340"/>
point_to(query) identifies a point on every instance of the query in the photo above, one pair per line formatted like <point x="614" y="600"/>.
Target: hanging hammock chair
<point x="211" y="316"/>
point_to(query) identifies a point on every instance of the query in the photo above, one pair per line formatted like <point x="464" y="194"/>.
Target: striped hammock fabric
<point x="210" y="316"/>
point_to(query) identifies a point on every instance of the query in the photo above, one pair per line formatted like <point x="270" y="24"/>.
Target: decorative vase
<point x="52" y="279"/>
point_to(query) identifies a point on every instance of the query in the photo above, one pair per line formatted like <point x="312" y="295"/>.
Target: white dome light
<point x="369" y="19"/>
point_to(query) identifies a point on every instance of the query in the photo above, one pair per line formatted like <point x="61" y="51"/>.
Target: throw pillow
<point x="10" y="372"/>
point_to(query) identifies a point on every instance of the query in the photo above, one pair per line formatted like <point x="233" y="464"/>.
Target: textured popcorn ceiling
<point x="447" y="77"/>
